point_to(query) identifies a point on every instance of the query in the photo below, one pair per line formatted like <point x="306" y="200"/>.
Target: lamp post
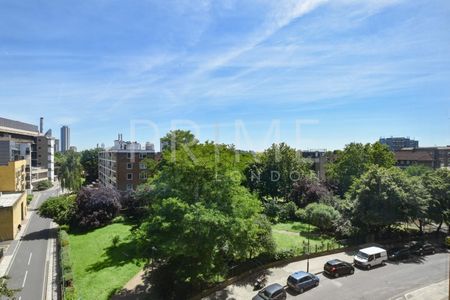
<point x="307" y="258"/>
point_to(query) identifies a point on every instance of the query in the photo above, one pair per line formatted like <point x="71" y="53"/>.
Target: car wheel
<point x="317" y="283"/>
<point x="368" y="267"/>
<point x="421" y="253"/>
<point x="301" y="291"/>
<point x="336" y="275"/>
<point x="433" y="251"/>
<point x="352" y="271"/>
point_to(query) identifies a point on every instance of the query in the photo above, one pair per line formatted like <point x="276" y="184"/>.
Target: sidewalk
<point x="243" y="289"/>
<point x="437" y="291"/>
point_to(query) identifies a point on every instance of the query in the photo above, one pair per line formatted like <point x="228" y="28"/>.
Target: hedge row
<point x="68" y="289"/>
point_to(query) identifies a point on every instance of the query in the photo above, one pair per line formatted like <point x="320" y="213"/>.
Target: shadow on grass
<point x="117" y="256"/>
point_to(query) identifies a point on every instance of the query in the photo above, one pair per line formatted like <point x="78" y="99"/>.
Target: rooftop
<point x="8" y="200"/>
<point x="18" y="127"/>
<point x="299" y="274"/>
<point x="372" y="250"/>
<point x="415" y="155"/>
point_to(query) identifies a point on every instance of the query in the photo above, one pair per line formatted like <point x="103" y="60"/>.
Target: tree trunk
<point x="439" y="227"/>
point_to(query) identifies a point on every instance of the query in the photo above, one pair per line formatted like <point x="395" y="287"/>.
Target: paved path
<point x="29" y="258"/>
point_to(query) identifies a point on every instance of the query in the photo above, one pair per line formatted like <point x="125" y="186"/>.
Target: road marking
<point x="25" y="279"/>
<point x="29" y="259"/>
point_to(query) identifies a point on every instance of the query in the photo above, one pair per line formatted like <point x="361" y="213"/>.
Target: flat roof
<point x="8" y="200"/>
<point x="372" y="250"/>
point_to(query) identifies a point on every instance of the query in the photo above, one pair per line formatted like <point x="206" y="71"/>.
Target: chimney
<point x="41" y="127"/>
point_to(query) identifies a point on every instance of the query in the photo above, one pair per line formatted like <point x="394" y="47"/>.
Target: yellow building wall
<point x="12" y="176"/>
<point x="11" y="217"/>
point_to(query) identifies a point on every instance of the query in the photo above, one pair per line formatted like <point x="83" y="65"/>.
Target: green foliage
<point x="66" y="262"/>
<point x="437" y="184"/>
<point x="321" y="215"/>
<point x="70" y="171"/>
<point x="176" y="139"/>
<point x="417" y="170"/>
<point x="272" y="209"/>
<point x="288" y="212"/>
<point x="5" y="291"/>
<point x="201" y="217"/>
<point x="356" y="159"/>
<point x="300" y="214"/>
<point x="383" y="197"/>
<point x="89" y="162"/>
<point x="61" y="209"/>
<point x="43" y="185"/>
<point x="29" y="199"/>
<point x="279" y="168"/>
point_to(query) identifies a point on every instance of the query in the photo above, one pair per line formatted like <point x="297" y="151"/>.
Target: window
<point x="128" y="155"/>
<point x="142" y="166"/>
<point x="130" y="176"/>
<point x="129" y="166"/>
<point x="129" y="187"/>
<point x="370" y="257"/>
<point x="143" y="175"/>
<point x="378" y="255"/>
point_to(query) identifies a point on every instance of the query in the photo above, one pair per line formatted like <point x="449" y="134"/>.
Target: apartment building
<point x="23" y="141"/>
<point x="397" y="143"/>
<point x="13" y="176"/>
<point x="433" y="157"/>
<point x="123" y="166"/>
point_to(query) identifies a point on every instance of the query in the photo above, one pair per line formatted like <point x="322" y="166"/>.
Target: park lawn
<point x="294" y="236"/>
<point x="99" y="268"/>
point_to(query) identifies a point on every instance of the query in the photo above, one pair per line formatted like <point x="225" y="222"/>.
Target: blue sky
<point x="238" y="72"/>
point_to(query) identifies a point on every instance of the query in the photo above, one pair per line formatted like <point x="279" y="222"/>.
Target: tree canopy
<point x="356" y="159"/>
<point x="89" y="161"/>
<point x="201" y="216"/>
<point x="70" y="171"/>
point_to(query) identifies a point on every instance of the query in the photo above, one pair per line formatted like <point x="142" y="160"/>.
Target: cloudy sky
<point x="313" y="73"/>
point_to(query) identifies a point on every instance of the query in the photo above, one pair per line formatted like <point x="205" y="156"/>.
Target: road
<point x="391" y="281"/>
<point x="28" y="270"/>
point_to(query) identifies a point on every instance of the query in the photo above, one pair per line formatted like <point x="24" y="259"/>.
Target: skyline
<point x="352" y="71"/>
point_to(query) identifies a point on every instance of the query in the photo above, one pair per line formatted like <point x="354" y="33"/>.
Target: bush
<point x="135" y="205"/>
<point x="300" y="214"/>
<point x="96" y="207"/>
<point x="287" y="212"/>
<point x="29" y="199"/>
<point x="322" y="215"/>
<point x="43" y="185"/>
<point x="61" y="209"/>
<point x="272" y="209"/>
<point x="66" y="263"/>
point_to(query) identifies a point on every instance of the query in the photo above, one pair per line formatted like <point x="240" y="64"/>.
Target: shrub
<point x="300" y="214"/>
<point x="287" y="212"/>
<point x="61" y="209"/>
<point x="66" y="263"/>
<point x="43" y="185"/>
<point x="322" y="215"/>
<point x="271" y="209"/>
<point x="96" y="207"/>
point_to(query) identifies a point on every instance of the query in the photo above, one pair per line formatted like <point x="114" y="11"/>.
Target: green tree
<point x="438" y="185"/>
<point x="89" y="161"/>
<point x="201" y="217"/>
<point x="321" y="215"/>
<point x="280" y="167"/>
<point x="383" y="197"/>
<point x="417" y="170"/>
<point x="356" y="159"/>
<point x="61" y="209"/>
<point x="175" y="139"/>
<point x="70" y="171"/>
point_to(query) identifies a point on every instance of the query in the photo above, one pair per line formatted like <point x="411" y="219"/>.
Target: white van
<point x="369" y="257"/>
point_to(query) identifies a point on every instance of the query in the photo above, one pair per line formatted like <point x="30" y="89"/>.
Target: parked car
<point x="422" y="248"/>
<point x="370" y="257"/>
<point x="338" y="267"/>
<point x="398" y="253"/>
<point x="447" y="241"/>
<point x="271" y="292"/>
<point x="301" y="281"/>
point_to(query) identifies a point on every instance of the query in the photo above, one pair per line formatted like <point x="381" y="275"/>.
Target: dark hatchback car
<point x="338" y="268"/>
<point x="301" y="281"/>
<point x="398" y="253"/>
<point x="271" y="292"/>
<point x="421" y="248"/>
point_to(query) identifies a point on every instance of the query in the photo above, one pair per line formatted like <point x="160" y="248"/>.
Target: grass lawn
<point x="294" y="235"/>
<point x="98" y="267"/>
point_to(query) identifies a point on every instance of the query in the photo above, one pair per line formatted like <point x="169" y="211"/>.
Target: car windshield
<point x="362" y="255"/>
